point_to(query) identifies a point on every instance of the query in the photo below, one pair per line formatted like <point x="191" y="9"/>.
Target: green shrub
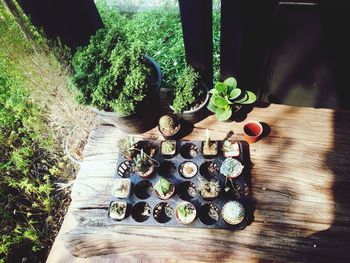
<point x="188" y="93"/>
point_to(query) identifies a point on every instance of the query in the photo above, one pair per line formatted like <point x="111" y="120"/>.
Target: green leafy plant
<point x="184" y="210"/>
<point x="230" y="166"/>
<point x="163" y="186"/>
<point x="188" y="93"/>
<point x="227" y="95"/>
<point x="142" y="162"/>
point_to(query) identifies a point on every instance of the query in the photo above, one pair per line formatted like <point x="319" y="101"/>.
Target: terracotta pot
<point x="252" y="131"/>
<point x="170" y="194"/>
<point x="148" y="173"/>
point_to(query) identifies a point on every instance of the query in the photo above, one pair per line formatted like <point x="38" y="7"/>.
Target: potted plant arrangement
<point x="117" y="210"/>
<point x="169" y="126"/>
<point x="231" y="168"/>
<point x="185" y="213"/>
<point x="209" y="189"/>
<point x="190" y="95"/>
<point x="168" y="148"/>
<point x="164" y="188"/>
<point x="226" y="98"/>
<point x="116" y="78"/>
<point x="230" y="149"/>
<point x="233" y="213"/>
<point x="143" y="164"/>
<point x="188" y="169"/>
<point x="210" y="148"/>
<point x="121" y="188"/>
<point x="127" y="147"/>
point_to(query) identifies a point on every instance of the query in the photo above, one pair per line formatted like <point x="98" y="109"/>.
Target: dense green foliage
<point x="159" y="32"/>
<point x="29" y="165"/>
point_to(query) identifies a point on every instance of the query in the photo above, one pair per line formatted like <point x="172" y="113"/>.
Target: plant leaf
<point x="235" y="93"/>
<point x="242" y="98"/>
<point x="231" y="82"/>
<point x="223" y="115"/>
<point x="211" y="107"/>
<point x="213" y="91"/>
<point x="219" y="101"/>
<point x="221" y="87"/>
<point x="251" y="98"/>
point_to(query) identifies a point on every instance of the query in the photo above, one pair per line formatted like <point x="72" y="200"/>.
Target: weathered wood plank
<point x="299" y="188"/>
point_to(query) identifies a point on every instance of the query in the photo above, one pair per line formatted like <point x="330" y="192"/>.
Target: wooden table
<point x="300" y="198"/>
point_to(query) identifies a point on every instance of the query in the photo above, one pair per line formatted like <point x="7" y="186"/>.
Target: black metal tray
<point x="137" y="198"/>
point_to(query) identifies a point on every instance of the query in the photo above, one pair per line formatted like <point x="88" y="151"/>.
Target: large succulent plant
<point x="226" y="95"/>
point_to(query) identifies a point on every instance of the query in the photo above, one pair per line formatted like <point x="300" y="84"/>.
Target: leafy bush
<point x="112" y="73"/>
<point x="188" y="92"/>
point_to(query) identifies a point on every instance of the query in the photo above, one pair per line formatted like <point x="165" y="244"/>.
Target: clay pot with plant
<point x="164" y="188"/>
<point x="190" y="96"/>
<point x="185" y="213"/>
<point x="231" y="168"/>
<point x="143" y="164"/>
<point x="168" y="148"/>
<point x="226" y="98"/>
<point x="210" y="148"/>
<point x="169" y="126"/>
<point x="117" y="210"/>
<point x="127" y="147"/>
<point x="209" y="189"/>
<point x="124" y="91"/>
<point x="230" y="148"/>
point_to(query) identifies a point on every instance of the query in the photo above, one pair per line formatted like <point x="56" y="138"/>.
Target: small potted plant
<point x="209" y="188"/>
<point x="188" y="169"/>
<point x="226" y="98"/>
<point x="231" y="168"/>
<point x="169" y="126"/>
<point x="143" y="164"/>
<point x="190" y="95"/>
<point x="210" y="148"/>
<point x="233" y="213"/>
<point x="127" y="147"/>
<point x="230" y="149"/>
<point x="185" y="213"/>
<point x="164" y="188"/>
<point x="168" y="148"/>
<point x="121" y="188"/>
<point x="117" y="210"/>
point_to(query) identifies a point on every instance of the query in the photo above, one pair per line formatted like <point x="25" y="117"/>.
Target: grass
<point x="38" y="117"/>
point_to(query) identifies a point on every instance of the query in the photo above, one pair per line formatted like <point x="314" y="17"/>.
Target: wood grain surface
<point x="299" y="198"/>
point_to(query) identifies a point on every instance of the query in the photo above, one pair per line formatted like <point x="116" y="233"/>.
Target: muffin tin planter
<point x="147" y="209"/>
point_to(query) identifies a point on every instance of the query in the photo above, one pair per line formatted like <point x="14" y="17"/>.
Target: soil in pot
<point x="169" y="126"/>
<point x="164" y="188"/>
<point x="188" y="169"/>
<point x="163" y="212"/>
<point x="117" y="210"/>
<point x="185" y="213"/>
<point x="168" y="148"/>
<point x="210" y="149"/>
<point x="189" y="151"/>
<point x="141" y="211"/>
<point x="121" y="188"/>
<point x="143" y="189"/>
<point x="187" y="190"/>
<point x="209" y="170"/>
<point x="209" y="214"/>
<point x="167" y="169"/>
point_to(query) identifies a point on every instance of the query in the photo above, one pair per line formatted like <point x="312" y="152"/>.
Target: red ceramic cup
<point x="252" y="131"/>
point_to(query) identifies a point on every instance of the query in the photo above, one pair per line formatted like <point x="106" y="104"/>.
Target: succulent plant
<point x="163" y="186"/>
<point x="185" y="210"/>
<point x="209" y="189"/>
<point x="127" y="146"/>
<point x="168" y="124"/>
<point x="168" y="147"/>
<point x="226" y="95"/>
<point x="142" y="162"/>
<point x="231" y="167"/>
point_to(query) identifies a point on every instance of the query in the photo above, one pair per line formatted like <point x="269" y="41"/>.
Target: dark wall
<point x="291" y="52"/>
<point x="73" y="21"/>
